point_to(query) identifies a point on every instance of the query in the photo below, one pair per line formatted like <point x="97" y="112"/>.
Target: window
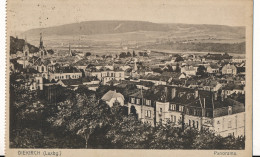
<point x="148" y="113"/>
<point x="189" y="123"/>
<point x="132" y="100"/>
<point x="138" y="101"/>
<point x="193" y="124"/>
<point x="148" y="102"/>
<point x="181" y="108"/>
<point x="187" y="111"/>
<point x="195" y="112"/>
<point x="160" y="111"/>
<point x="229" y="71"/>
<point x="229" y="124"/>
<point x="173" y="118"/>
<point x="197" y="124"/>
<point x="229" y="110"/>
<point x="119" y="74"/>
<point x="172" y="107"/>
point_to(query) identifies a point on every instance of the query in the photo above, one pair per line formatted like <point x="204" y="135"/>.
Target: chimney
<point x="204" y="103"/>
<point x="173" y="93"/>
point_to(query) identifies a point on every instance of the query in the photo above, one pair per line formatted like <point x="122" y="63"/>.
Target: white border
<point x="2" y="74"/>
<point x="256" y="77"/>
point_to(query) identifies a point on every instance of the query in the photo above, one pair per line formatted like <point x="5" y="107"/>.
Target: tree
<point x="130" y="133"/>
<point x="141" y="53"/>
<point x="134" y="55"/>
<point x="178" y="69"/>
<point x="128" y="54"/>
<point x="122" y="55"/>
<point x="88" y="54"/>
<point x="81" y="116"/>
<point x="50" y="51"/>
<point x="201" y="70"/>
<point x="179" y="59"/>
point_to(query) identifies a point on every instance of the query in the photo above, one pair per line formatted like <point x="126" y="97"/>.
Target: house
<point x="91" y="82"/>
<point x="229" y="69"/>
<point x="192" y="108"/>
<point x="112" y="97"/>
<point x="35" y="83"/>
<point x="105" y="74"/>
<point x="63" y="73"/>
<point x="189" y="70"/>
<point x="212" y="69"/>
<point x="233" y="88"/>
<point x="141" y="105"/>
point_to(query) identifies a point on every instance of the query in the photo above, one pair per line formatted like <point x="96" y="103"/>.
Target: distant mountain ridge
<point x="112" y="27"/>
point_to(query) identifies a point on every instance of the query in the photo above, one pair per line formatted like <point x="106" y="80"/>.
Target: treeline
<point x="18" y="44"/>
<point x="202" y="47"/>
<point x="133" y="54"/>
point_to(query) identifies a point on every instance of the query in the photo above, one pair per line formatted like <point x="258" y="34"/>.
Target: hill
<point x="115" y="27"/>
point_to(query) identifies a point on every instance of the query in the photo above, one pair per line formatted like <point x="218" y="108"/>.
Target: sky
<point x="28" y="14"/>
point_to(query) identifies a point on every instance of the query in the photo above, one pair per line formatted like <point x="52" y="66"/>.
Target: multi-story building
<point x="105" y="75"/>
<point x="64" y="73"/>
<point x="141" y="105"/>
<point x="229" y="69"/>
<point x="189" y="70"/>
<point x="190" y="107"/>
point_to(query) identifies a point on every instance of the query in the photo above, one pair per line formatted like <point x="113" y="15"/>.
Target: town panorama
<point x="130" y="90"/>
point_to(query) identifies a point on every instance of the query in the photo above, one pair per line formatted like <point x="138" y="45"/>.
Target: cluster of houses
<point x="199" y="91"/>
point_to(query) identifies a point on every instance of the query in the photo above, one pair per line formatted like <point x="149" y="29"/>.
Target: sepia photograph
<point x="117" y="76"/>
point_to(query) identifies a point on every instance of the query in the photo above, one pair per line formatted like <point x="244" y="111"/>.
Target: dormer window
<point x="148" y="102"/>
<point x="181" y="108"/>
<point x="132" y="100"/>
<point x="137" y="101"/>
<point x="172" y="107"/>
<point x="229" y="110"/>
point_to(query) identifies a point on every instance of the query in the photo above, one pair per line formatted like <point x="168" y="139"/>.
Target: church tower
<point x="42" y="51"/>
<point x="25" y="53"/>
<point x="26" y="50"/>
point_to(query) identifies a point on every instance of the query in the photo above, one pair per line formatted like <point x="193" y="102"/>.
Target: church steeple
<point x="41" y="42"/>
<point x="70" y="54"/>
<point x="42" y="51"/>
<point x="25" y="53"/>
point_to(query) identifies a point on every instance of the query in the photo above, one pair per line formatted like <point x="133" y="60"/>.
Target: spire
<point x="70" y="52"/>
<point x="41" y="42"/>
<point x="25" y="40"/>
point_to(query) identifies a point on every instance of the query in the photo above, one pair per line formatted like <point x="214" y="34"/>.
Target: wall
<point x="230" y="125"/>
